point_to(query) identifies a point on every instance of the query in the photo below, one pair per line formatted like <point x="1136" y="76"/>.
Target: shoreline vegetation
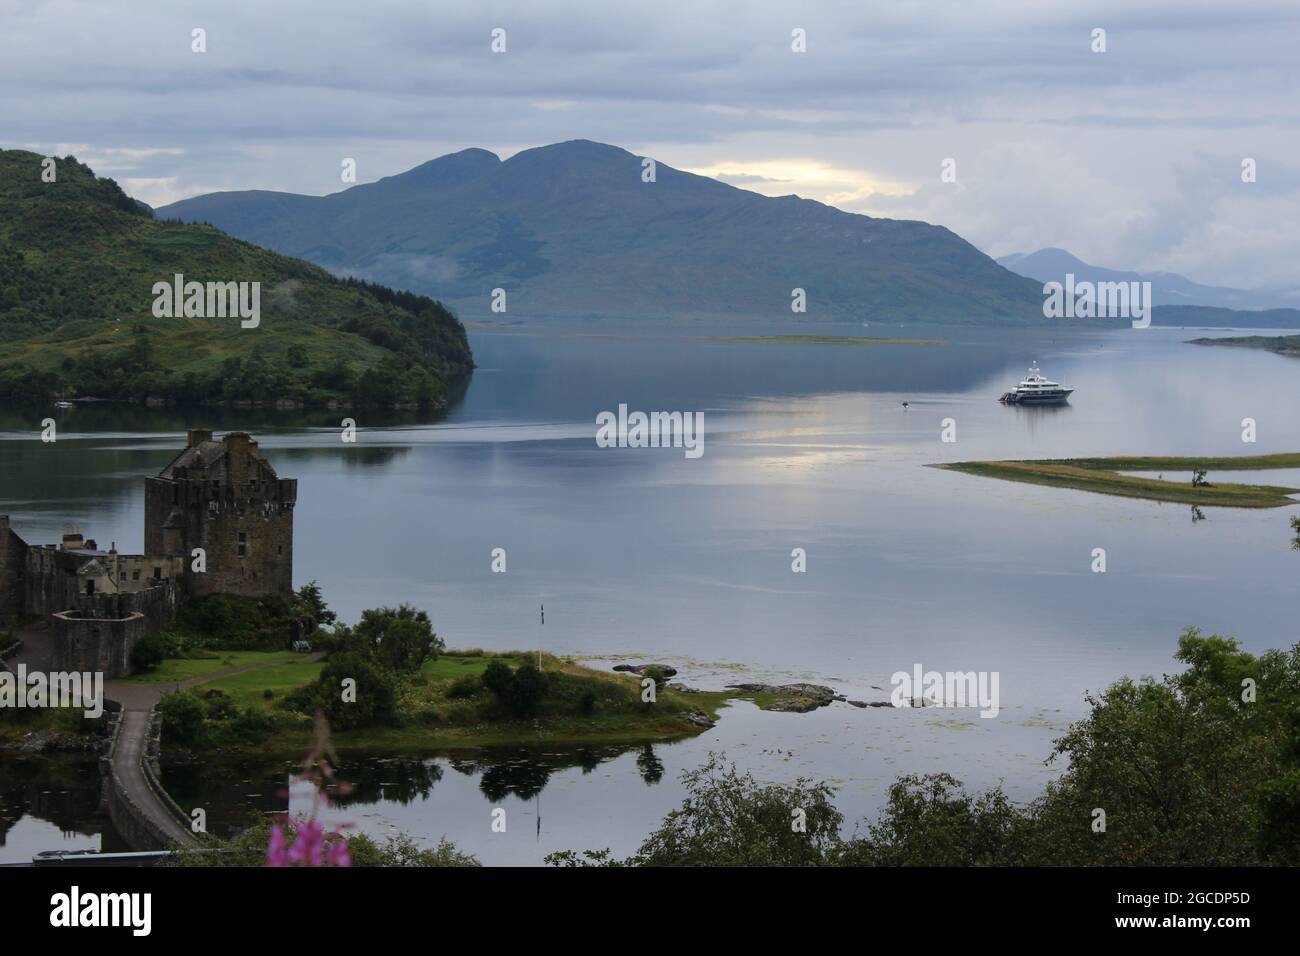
<point x="446" y="704"/>
<point x="1281" y="344"/>
<point x="1188" y="770"/>
<point x="1104" y="476"/>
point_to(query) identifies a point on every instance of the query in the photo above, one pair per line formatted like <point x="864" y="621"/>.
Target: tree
<point x="182" y="714"/>
<point x="351" y="692"/>
<point x="400" y="638"/>
<point x="933" y="821"/>
<point x="309" y="595"/>
<point x="729" y="819"/>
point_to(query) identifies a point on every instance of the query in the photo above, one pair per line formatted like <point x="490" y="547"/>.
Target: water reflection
<point x="51" y="803"/>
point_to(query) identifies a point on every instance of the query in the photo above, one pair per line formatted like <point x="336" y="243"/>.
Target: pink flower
<point x="276" y="853"/>
<point x="309" y="848"/>
<point x="337" y="853"/>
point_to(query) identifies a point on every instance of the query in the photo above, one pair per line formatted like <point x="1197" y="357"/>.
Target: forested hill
<point x="79" y="261"/>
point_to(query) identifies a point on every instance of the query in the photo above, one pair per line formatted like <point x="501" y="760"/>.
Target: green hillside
<point x="78" y="263"/>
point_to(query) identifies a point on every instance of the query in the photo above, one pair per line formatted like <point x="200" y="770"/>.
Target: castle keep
<point x="221" y="499"/>
<point x="225" y="498"/>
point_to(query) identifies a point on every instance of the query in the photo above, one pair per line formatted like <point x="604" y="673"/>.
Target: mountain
<point x="79" y="261"/>
<point x="1168" y="290"/>
<point x="572" y="229"/>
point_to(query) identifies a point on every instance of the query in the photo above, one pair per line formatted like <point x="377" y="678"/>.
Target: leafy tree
<point x="729" y="819"/>
<point x="400" y="639"/>
<point x="933" y="821"/>
<point x="375" y="693"/>
<point x="183" y="716"/>
<point x="309" y="595"/>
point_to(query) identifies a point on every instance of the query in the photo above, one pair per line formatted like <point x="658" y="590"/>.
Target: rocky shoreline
<point x="797" y="698"/>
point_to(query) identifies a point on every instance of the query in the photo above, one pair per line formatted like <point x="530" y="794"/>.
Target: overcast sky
<point x="1129" y="158"/>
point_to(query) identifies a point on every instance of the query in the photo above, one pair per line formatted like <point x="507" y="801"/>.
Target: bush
<point x="376" y="693"/>
<point x="219" y="706"/>
<point x="527" y="691"/>
<point x="183" y="716"/>
<point x="464" y="687"/>
<point x="521" y="691"/>
<point x="148" y="653"/>
<point x="498" y="677"/>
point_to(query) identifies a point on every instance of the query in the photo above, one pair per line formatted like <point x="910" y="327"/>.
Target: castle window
<point x="157" y="574"/>
<point x="90" y="587"/>
<point x="243" y="544"/>
<point x="135" y="575"/>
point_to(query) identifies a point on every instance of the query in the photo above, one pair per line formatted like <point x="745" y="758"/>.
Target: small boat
<point x="63" y="404"/>
<point x="1036" y="390"/>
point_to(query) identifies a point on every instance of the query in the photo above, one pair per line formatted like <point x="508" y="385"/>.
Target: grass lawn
<point x="1102" y="475"/>
<point x="174" y="670"/>
<point x="249" y="688"/>
<point x="435" y="719"/>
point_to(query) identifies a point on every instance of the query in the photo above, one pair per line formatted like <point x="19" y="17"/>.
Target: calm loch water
<point x="647" y="553"/>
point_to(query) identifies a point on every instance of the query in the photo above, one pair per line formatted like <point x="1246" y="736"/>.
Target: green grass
<point x="178" y="669"/>
<point x="1102" y="476"/>
<point x="432" y="718"/>
<point x="249" y="688"/>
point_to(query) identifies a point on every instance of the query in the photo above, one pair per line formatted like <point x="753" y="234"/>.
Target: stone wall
<point x="100" y="634"/>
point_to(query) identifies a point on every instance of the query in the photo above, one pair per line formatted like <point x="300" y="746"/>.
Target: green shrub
<point x="464" y="687"/>
<point x="183" y="716"/>
<point x="148" y="653"/>
<point x="376" y="693"/>
<point x="527" y="691"/>
<point x="497" y="677"/>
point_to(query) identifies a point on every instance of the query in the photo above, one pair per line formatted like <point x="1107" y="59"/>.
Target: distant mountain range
<point x="1168" y="289"/>
<point x="573" y="229"/>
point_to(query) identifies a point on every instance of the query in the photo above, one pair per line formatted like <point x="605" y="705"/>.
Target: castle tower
<point x="224" y="497"/>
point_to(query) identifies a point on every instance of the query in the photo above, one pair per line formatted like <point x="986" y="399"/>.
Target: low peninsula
<point x="1107" y="476"/>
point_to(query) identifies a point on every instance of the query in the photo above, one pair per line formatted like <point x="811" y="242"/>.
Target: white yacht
<point x="1036" y="390"/>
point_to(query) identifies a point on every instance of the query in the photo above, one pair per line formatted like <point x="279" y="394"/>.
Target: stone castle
<point x="218" y="520"/>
